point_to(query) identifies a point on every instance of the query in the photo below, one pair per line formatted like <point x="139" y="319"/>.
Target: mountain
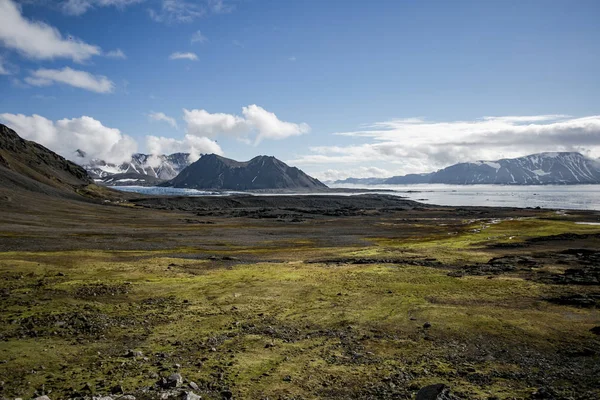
<point x="361" y="181"/>
<point x="262" y="172"/>
<point x="566" y="168"/>
<point x="26" y="165"/>
<point x="142" y="169"/>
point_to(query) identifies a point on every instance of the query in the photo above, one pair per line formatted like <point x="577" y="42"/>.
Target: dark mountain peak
<point x="262" y="172"/>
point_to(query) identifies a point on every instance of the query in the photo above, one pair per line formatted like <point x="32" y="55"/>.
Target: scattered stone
<point x="438" y="391"/>
<point x="194" y="386"/>
<point x="287" y="378"/>
<point x="174" y="380"/>
<point x="190" y="396"/>
<point x="60" y="274"/>
<point x="427" y="325"/>
<point x="42" y="398"/>
<point x="134" y="354"/>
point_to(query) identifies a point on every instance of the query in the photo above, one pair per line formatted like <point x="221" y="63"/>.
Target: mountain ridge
<point x="547" y="168"/>
<point x="141" y="169"/>
<point x="261" y="172"/>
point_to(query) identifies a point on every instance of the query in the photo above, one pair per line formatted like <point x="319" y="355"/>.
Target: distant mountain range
<point x="262" y="172"/>
<point x="142" y="169"/>
<point x="566" y="168"/>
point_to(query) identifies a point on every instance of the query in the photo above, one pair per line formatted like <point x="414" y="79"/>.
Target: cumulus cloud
<point x="194" y="145"/>
<point x="118" y="53"/>
<point x="68" y="76"/>
<point x="159" y="116"/>
<point x="255" y="121"/>
<point x="38" y="40"/>
<point x="183" y="56"/>
<point x="79" y="7"/>
<point x="416" y="145"/>
<point x="65" y="136"/>
<point x="198" y="37"/>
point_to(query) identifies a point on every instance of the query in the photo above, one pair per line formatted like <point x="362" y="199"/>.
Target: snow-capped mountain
<point x="534" y="169"/>
<point x="567" y="168"/>
<point x="142" y="169"/>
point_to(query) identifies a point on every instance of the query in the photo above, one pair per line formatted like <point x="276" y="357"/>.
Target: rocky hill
<point x="566" y="168"/>
<point x="142" y="169"/>
<point x="28" y="165"/>
<point x="262" y="172"/>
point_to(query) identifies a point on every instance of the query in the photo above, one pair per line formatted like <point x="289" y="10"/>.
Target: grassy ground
<point x="260" y="320"/>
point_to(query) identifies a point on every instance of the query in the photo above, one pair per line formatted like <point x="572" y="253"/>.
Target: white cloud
<point x="177" y="11"/>
<point x="3" y="70"/>
<point x="159" y="116"/>
<point x="360" y="172"/>
<point x="203" y="123"/>
<point x="183" y="56"/>
<point x="256" y="120"/>
<point x="194" y="145"/>
<point x="292" y="58"/>
<point x="68" y="76"/>
<point x="79" y="7"/>
<point x="37" y="40"/>
<point x="198" y="37"/>
<point x="219" y="7"/>
<point x="118" y="53"/>
<point x="415" y="145"/>
<point x="68" y="135"/>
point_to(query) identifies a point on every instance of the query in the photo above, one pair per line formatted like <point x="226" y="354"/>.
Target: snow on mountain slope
<point x="567" y="168"/>
<point x="141" y="169"/>
<point x="534" y="169"/>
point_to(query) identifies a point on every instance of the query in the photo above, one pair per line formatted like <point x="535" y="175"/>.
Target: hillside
<point x="28" y="165"/>
<point x="262" y="172"/>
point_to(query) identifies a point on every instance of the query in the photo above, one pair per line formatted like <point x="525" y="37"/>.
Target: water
<point x="581" y="197"/>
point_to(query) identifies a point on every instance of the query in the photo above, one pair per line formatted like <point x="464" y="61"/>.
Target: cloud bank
<point x="416" y="145"/>
<point x="65" y="136"/>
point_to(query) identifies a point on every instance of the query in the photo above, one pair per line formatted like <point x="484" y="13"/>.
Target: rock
<point x="427" y="325"/>
<point x="194" y="386"/>
<point x="42" y="398"/>
<point x="134" y="354"/>
<point x="227" y="394"/>
<point x="287" y="378"/>
<point x="595" y="330"/>
<point x="438" y="391"/>
<point x="190" y="396"/>
<point x="102" y="398"/>
<point x="117" y="389"/>
<point x="174" y="380"/>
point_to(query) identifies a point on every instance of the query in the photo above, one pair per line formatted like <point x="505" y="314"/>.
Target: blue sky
<point x="408" y="84"/>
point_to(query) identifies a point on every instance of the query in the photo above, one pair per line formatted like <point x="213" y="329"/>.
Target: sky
<point x="336" y="88"/>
